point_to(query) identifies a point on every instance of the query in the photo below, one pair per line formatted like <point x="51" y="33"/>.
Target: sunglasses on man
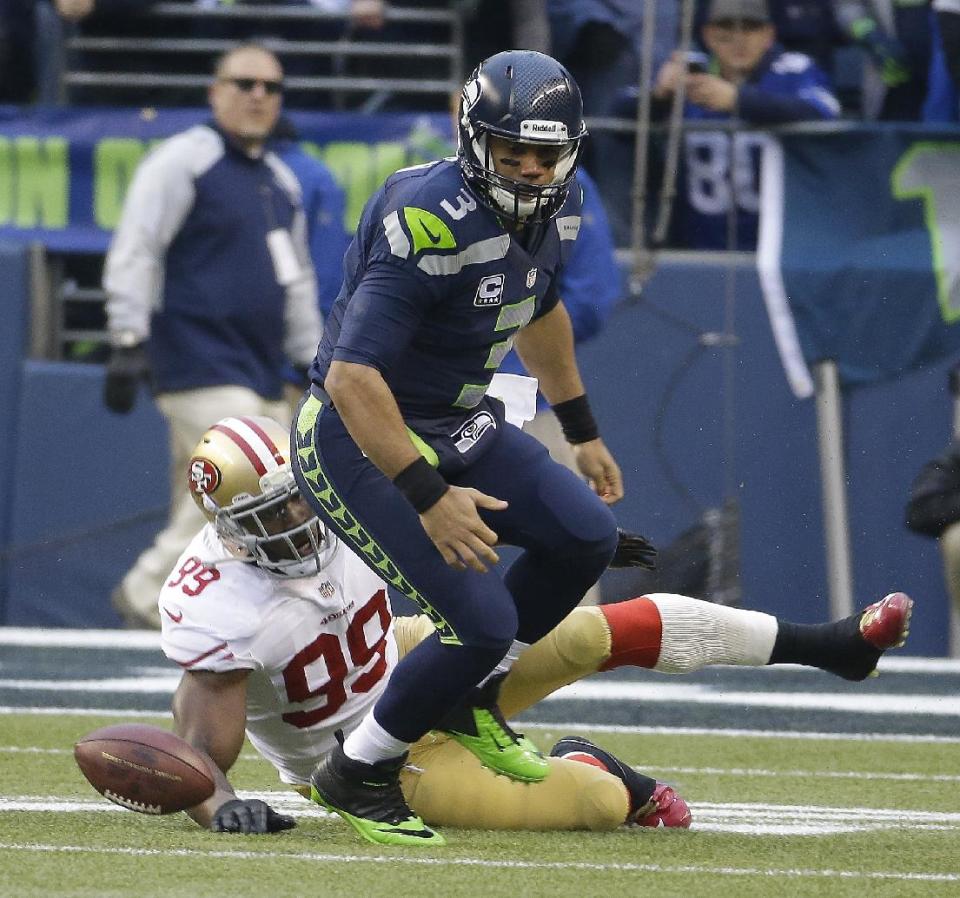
<point x="750" y="25"/>
<point x="248" y="84"/>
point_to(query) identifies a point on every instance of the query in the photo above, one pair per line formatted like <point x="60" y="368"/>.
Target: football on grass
<point x="144" y="768"/>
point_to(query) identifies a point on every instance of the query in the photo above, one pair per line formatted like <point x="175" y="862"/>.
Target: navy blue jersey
<point x="435" y="290"/>
<point x="784" y="87"/>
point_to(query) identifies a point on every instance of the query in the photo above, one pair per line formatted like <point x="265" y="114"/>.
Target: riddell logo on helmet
<point x="538" y="128"/>
<point x="204" y="476"/>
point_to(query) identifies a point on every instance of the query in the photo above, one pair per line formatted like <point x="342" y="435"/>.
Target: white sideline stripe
<point x="752" y="772"/>
<point x="605" y="691"/>
<point x="287" y="800"/>
<point x="316" y="857"/>
<point x="150" y="639"/>
<point x="819" y="774"/>
<point x="577" y="726"/>
<point x="80" y="639"/>
<point x="83" y="712"/>
<point x="164" y="685"/>
<point x="568" y="726"/>
<point x="672" y="693"/>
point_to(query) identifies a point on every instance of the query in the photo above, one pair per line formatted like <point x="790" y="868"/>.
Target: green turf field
<point x="772" y="816"/>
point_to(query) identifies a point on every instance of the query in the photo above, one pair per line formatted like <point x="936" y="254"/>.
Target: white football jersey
<point x="319" y="649"/>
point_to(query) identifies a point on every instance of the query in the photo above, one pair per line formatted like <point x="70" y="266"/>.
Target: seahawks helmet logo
<point x="470" y="95"/>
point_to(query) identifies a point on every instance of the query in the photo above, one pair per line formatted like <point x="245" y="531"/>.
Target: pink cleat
<point x="886" y="624"/>
<point x="662" y="808"/>
<point x="668" y="809"/>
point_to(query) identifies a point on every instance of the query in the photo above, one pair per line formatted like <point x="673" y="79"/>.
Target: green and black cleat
<point x="369" y="798"/>
<point x="478" y="725"/>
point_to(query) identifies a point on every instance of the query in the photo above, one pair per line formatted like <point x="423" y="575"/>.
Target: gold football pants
<point x="447" y="786"/>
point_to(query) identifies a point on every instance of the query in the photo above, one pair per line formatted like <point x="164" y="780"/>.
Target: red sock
<point x="585" y="758"/>
<point x="635" y="633"/>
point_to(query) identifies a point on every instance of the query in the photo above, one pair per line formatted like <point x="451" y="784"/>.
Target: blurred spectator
<point x="943" y="94"/>
<point x="747" y="76"/>
<point x="209" y="288"/>
<point x="17" y="75"/>
<point x="324" y="203"/>
<point x="948" y="20"/>
<point x="599" y="42"/>
<point x="77" y="10"/>
<point x="807" y="26"/>
<point x="494" y="25"/>
<point x="361" y="13"/>
<point x="897" y="39"/>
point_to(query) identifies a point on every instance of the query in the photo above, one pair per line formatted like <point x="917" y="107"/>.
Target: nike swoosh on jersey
<point x="176" y="618"/>
<point x="434" y="238"/>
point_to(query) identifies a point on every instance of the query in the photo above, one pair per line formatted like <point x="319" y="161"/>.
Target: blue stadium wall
<point x="82" y="491"/>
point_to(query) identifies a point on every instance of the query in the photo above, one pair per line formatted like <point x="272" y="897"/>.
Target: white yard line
<point x="741" y="818"/>
<point x="699" y="694"/>
<point x="315" y="857"/>
<point x="874" y="703"/>
<point x="564" y="726"/>
<point x="150" y="640"/>
<point x="749" y="772"/>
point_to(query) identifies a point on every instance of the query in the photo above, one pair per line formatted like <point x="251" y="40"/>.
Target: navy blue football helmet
<point x="525" y="97"/>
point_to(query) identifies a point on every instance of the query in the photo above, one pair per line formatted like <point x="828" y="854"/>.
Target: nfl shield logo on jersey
<point x="531" y="277"/>
<point x="489" y="291"/>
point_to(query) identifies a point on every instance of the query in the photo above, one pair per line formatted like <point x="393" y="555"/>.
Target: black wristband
<point x="422" y="485"/>
<point x="576" y="420"/>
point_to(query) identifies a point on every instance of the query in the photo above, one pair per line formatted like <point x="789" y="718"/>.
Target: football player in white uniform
<point x="284" y="634"/>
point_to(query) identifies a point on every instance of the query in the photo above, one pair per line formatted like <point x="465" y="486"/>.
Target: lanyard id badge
<point x="286" y="266"/>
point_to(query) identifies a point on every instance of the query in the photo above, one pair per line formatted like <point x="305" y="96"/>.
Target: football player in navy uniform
<point x="404" y="455"/>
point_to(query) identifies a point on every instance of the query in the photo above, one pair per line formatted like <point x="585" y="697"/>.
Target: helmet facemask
<point x="254" y="528"/>
<point x="519" y="202"/>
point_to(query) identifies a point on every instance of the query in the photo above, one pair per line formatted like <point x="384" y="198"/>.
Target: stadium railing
<point x="168" y="50"/>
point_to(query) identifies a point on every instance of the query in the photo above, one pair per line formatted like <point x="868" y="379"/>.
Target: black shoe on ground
<point x="369" y="798"/>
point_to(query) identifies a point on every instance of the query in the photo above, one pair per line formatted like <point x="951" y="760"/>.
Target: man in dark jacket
<point x="210" y="288"/>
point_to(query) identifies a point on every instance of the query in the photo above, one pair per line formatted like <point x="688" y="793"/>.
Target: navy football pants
<point x="567" y="533"/>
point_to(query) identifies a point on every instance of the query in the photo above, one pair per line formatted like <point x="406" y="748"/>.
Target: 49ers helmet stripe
<point x="268" y="442"/>
<point x="253" y="442"/>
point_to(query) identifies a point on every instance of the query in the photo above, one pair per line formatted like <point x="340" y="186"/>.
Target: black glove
<point x="249" y="816"/>
<point x="126" y="368"/>
<point x="634" y="550"/>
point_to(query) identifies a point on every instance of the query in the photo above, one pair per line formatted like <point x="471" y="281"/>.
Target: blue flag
<point x="859" y="249"/>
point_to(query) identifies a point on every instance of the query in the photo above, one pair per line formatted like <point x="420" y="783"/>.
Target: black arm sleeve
<point x="935" y="495"/>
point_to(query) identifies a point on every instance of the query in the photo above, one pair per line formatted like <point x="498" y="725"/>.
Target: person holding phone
<point x="745" y="75"/>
